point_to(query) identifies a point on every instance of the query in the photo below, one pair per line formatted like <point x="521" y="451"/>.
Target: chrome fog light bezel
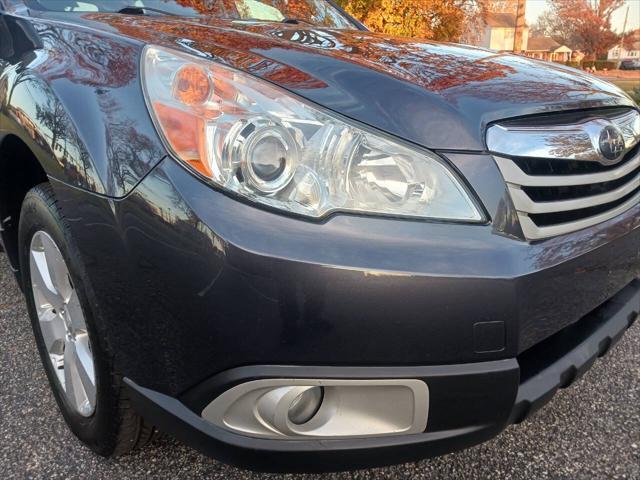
<point x="348" y="408"/>
<point x="305" y="406"/>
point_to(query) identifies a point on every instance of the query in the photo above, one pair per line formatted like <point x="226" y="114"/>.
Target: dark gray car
<point x="300" y="245"/>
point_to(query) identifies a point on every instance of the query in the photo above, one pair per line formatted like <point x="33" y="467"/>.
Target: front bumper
<point x="191" y="283"/>
<point x="469" y="403"/>
<point x="188" y="283"/>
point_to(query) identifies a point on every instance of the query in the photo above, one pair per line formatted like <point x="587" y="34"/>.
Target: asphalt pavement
<point x="591" y="430"/>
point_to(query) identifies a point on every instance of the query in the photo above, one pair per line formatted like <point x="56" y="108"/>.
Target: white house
<point x="620" y="53"/>
<point x="546" y="48"/>
<point x="499" y="32"/>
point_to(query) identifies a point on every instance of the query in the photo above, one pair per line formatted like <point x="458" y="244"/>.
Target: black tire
<point x="114" y="428"/>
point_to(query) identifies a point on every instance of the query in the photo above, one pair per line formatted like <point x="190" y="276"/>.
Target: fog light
<point x="306" y="405"/>
<point x="290" y="408"/>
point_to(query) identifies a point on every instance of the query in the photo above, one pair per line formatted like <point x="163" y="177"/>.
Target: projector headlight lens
<point x="265" y="153"/>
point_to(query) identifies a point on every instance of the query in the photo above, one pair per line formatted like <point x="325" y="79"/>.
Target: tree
<point x="581" y="24"/>
<point x="442" y="20"/>
<point x="549" y="24"/>
<point x="631" y="39"/>
<point x="502" y="6"/>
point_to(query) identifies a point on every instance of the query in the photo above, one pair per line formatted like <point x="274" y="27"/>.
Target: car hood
<point x="440" y="96"/>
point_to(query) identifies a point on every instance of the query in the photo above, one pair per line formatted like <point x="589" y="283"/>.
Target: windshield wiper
<point x="135" y="10"/>
<point x="290" y="20"/>
<point x="295" y="21"/>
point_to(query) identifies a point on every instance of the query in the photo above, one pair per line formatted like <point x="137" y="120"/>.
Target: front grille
<point x="543" y="166"/>
<point x="558" y="178"/>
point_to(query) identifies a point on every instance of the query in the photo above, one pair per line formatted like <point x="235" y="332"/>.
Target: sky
<point x="536" y="7"/>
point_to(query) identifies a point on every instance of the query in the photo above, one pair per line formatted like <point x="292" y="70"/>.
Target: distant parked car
<point x="630" y="65"/>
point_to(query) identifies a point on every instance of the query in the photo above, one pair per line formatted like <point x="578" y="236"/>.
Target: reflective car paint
<point x="436" y="95"/>
<point x="75" y="99"/>
<point x="172" y="259"/>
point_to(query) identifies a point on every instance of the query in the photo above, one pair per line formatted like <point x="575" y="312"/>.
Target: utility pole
<point x="624" y="29"/>
<point x="520" y="24"/>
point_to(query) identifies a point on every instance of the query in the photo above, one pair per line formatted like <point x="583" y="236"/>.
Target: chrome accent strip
<point x="513" y="174"/>
<point x="533" y="232"/>
<point x="523" y="202"/>
<point x="629" y="125"/>
<point x="580" y="141"/>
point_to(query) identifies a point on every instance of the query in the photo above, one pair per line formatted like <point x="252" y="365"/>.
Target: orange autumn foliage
<point x="442" y="20"/>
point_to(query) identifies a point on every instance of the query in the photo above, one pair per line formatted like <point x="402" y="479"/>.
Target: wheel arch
<point x="20" y="171"/>
<point x="74" y="96"/>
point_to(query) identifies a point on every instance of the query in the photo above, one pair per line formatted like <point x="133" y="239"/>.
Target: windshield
<point x="317" y="12"/>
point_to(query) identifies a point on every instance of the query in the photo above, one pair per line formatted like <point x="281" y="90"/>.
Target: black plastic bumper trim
<point x="265" y="455"/>
<point x="469" y="403"/>
<point x="596" y="333"/>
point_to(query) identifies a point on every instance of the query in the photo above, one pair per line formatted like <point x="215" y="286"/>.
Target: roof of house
<point x="632" y="40"/>
<point x="542" y="44"/>
<point x="634" y="46"/>
<point x="628" y="45"/>
<point x="501" y="20"/>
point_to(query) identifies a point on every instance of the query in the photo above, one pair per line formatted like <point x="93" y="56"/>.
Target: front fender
<point x="74" y="97"/>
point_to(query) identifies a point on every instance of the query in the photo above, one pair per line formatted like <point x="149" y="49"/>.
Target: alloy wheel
<point x="62" y="323"/>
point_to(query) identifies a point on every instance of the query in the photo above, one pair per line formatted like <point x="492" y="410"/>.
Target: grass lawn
<point x="627" y="84"/>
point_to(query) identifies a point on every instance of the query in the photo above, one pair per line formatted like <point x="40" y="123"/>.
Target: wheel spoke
<point x="86" y="367"/>
<point x="53" y="331"/>
<point x="79" y="377"/>
<point x="57" y="268"/>
<point x="70" y="375"/>
<point x="44" y="290"/>
<point x="75" y="314"/>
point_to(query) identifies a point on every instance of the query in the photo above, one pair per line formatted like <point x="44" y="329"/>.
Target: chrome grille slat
<point x="534" y="232"/>
<point x="560" y="203"/>
<point x="512" y="174"/>
<point x="523" y="203"/>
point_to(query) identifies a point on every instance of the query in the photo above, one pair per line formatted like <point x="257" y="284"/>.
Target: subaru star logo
<point x="611" y="143"/>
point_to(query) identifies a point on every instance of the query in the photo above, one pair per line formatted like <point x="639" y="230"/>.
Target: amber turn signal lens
<point x="192" y="85"/>
<point x="185" y="133"/>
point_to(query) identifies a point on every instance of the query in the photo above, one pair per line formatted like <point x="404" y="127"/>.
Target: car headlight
<point x="261" y="142"/>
